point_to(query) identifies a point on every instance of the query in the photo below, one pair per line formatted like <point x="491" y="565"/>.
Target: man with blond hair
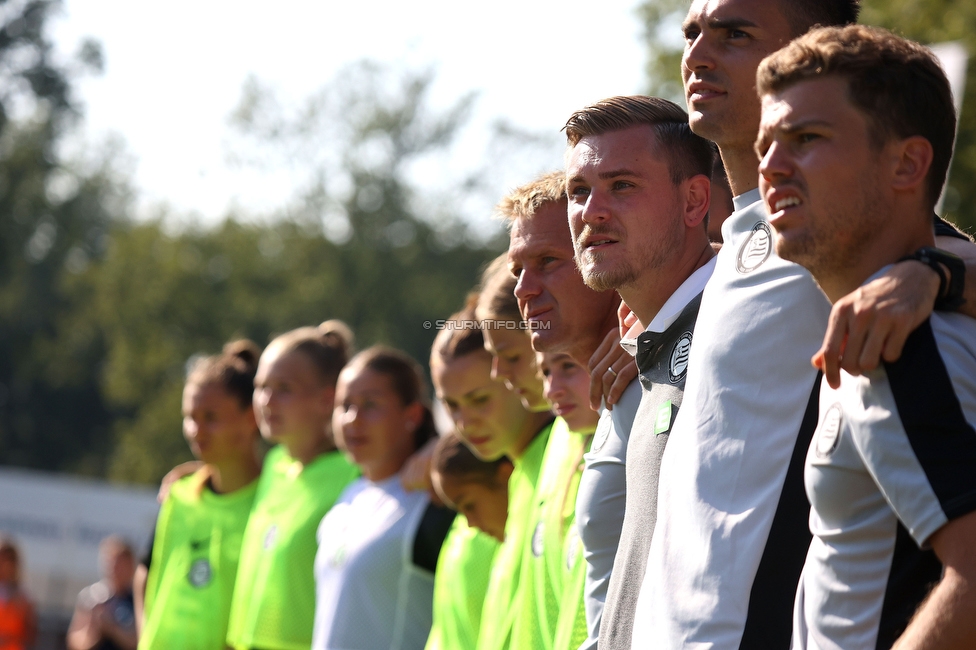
<point x="855" y="138"/>
<point x="564" y="315"/>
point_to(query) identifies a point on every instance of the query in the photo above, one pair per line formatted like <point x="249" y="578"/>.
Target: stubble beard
<point x="629" y="270"/>
<point x="831" y="249"/>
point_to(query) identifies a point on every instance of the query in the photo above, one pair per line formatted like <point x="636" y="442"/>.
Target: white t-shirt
<point x="369" y="594"/>
<point x="893" y="460"/>
<point x="711" y="580"/>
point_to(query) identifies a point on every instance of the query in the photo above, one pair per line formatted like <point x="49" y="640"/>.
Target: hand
<point x="175" y="474"/>
<point x="415" y="474"/>
<point x="611" y="371"/>
<point x="626" y="319"/>
<point x="873" y="322"/>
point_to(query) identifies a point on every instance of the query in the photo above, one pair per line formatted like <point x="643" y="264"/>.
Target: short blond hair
<point x="524" y="201"/>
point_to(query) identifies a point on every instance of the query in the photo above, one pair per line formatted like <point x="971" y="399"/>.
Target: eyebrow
<point x="720" y="23"/>
<point x="793" y="127"/>
<point x="613" y="173"/>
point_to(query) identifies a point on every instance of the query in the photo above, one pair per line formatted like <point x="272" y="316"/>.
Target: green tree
<point x="55" y="220"/>
<point x="927" y="21"/>
<point x="365" y="250"/>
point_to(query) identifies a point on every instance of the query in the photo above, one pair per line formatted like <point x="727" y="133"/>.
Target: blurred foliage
<point x="99" y="313"/>
<point x="927" y="21"/>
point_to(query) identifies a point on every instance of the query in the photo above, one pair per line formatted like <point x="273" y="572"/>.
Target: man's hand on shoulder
<point x="873" y="322"/>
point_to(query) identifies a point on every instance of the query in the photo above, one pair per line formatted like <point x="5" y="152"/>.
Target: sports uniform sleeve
<point x="923" y="456"/>
<point x="431" y="532"/>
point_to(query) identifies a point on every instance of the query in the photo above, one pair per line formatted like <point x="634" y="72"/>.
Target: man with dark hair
<point x="732" y="531"/>
<point x="855" y="139"/>
<point x="638" y="187"/>
<point x="802" y="14"/>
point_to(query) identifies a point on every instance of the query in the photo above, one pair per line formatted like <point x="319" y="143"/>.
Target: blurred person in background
<point x="294" y="392"/>
<point x="18" y="625"/>
<point x="493" y="421"/>
<point x="459" y="380"/>
<point x="512" y="357"/>
<point x="478" y="490"/>
<point x="487" y="416"/>
<point x="379" y="544"/>
<point x="104" y="617"/>
<point x="184" y="589"/>
<point x="567" y="388"/>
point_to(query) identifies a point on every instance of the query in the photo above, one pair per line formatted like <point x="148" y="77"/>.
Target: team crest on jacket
<point x="200" y="574"/>
<point x="756" y="248"/>
<point x="829" y="433"/>
<point x="678" y="365"/>
<point x="537" y="540"/>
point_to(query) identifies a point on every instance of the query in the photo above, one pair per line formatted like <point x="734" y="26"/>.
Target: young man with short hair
<point x="639" y="190"/>
<point x="855" y="139"/>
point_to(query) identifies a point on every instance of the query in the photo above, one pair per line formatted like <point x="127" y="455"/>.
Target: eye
<point x="737" y="34"/>
<point x="622" y="185"/>
<point x="579" y="191"/>
<point x="691" y="33"/>
<point x="805" y="137"/>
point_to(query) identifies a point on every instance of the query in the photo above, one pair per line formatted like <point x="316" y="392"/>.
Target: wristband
<point x="951" y="288"/>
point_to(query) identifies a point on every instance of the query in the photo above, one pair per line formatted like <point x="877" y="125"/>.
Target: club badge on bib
<point x="755" y="249"/>
<point x="829" y="433"/>
<point x="678" y="366"/>
<point x="537" y="540"/>
<point x="201" y="573"/>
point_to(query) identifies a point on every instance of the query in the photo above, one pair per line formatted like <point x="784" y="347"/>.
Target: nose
<point x="595" y="208"/>
<point x="697" y="55"/>
<point x="775" y="163"/>
<point x="526" y="288"/>
<point x="555" y="389"/>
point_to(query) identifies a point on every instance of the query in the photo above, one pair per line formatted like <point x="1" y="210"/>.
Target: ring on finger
<point x="611" y="370"/>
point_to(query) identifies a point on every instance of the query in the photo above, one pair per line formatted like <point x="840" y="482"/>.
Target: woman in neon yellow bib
<point x="303" y="475"/>
<point x="197" y="544"/>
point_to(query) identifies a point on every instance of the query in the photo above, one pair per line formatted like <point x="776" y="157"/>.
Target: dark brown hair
<point x="233" y="369"/>
<point x="496" y="299"/>
<point x="803" y="15"/>
<point x="453" y="458"/>
<point x="897" y="84"/>
<point x="459" y="337"/>
<point x="687" y="154"/>
<point x="327" y="346"/>
<point x="406" y="378"/>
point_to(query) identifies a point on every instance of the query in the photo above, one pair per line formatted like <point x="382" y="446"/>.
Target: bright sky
<point x="174" y="71"/>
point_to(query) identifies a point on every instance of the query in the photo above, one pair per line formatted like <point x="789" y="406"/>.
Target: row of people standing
<point x="320" y="544"/>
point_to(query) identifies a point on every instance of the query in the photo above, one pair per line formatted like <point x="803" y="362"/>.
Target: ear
<point x="912" y="158"/>
<point x="697" y="192"/>
<point x="413" y="416"/>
